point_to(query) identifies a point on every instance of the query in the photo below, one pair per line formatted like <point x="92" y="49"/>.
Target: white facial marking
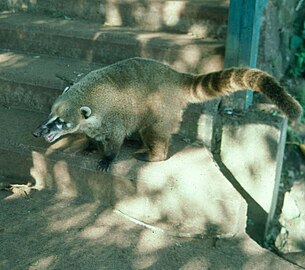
<point x="51" y="120"/>
<point x="59" y="126"/>
<point x="66" y="89"/>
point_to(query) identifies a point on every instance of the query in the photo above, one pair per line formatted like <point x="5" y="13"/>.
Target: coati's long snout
<point x="40" y="131"/>
<point x="50" y="130"/>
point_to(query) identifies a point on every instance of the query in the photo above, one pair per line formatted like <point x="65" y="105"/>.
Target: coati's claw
<point x="104" y="164"/>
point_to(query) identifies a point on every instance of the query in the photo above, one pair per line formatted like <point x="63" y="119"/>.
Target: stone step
<point x="177" y="195"/>
<point x="29" y="80"/>
<point x="93" y="42"/>
<point x="204" y="18"/>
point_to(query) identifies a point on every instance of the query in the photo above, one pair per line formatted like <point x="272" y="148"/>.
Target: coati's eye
<point x="61" y="124"/>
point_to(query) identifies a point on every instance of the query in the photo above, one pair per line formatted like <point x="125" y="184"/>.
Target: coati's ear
<point x="85" y="111"/>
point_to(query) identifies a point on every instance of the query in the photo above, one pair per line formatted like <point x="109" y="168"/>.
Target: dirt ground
<point x="55" y="228"/>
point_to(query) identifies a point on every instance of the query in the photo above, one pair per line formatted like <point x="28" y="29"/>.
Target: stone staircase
<point x="41" y="41"/>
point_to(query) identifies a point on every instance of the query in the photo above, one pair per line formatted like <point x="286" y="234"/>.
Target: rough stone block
<point x="292" y="236"/>
<point x="251" y="152"/>
<point x="186" y="193"/>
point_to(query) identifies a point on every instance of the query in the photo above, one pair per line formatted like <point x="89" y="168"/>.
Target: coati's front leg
<point x="91" y="146"/>
<point x="109" y="148"/>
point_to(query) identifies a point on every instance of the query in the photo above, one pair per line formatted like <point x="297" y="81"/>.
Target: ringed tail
<point x="230" y="80"/>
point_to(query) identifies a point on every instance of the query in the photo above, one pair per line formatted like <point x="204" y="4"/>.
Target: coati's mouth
<point x="52" y="137"/>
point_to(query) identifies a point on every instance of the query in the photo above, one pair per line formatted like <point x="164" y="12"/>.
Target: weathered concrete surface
<point x="95" y="43"/>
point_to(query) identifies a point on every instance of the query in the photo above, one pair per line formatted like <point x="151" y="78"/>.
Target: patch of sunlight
<point x="70" y="144"/>
<point x="43" y="263"/>
<point x="39" y="171"/>
<point x="18" y="3"/>
<point x="94" y="233"/>
<point x="148" y="246"/>
<point x="142" y="207"/>
<point x="198" y="262"/>
<point x="212" y="63"/>
<point x="147" y="37"/>
<point x="145" y="261"/>
<point x="64" y="217"/>
<point x="66" y="188"/>
<point x="96" y="35"/>
<point x="249" y="145"/>
<point x="204" y="121"/>
<point x="172" y="12"/>
<point x="111" y="229"/>
<point x="199" y="31"/>
<point x="5" y="14"/>
<point x="190" y="57"/>
<point x="151" y="241"/>
<point x="67" y="223"/>
<point x="8" y="60"/>
<point x="185" y="193"/>
<point x="112" y="12"/>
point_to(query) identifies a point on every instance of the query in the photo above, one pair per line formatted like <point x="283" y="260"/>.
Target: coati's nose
<point x="37" y="132"/>
<point x="41" y="131"/>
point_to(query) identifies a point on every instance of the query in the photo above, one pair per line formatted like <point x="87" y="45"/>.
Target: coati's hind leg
<point x="156" y="139"/>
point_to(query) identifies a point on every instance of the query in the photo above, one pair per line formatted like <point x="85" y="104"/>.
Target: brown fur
<point x="147" y="96"/>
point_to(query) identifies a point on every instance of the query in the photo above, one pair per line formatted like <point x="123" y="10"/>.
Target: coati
<point x="144" y="95"/>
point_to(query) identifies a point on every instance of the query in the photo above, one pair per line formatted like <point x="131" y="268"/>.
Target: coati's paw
<point x="146" y="156"/>
<point x="104" y="164"/>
